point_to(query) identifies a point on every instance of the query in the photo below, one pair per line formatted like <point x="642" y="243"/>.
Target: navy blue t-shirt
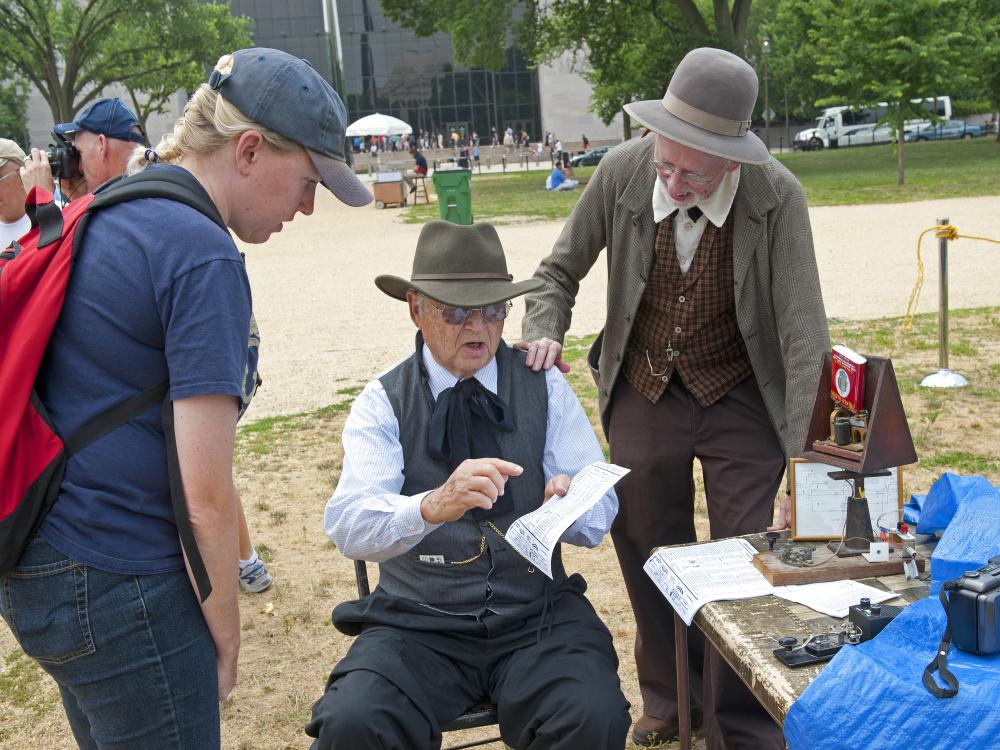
<point x="158" y="292"/>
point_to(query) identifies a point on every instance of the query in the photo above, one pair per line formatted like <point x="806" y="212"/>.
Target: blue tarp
<point x="933" y="512"/>
<point x="872" y="695"/>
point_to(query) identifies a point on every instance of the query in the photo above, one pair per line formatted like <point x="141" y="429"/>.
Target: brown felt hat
<point x="459" y="265"/>
<point x="708" y="106"/>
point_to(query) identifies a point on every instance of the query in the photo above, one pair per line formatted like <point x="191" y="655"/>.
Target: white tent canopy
<point x="377" y="124"/>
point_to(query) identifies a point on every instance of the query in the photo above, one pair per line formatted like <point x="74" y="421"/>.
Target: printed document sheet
<point x="833" y="597"/>
<point x="700" y="573"/>
<point x="536" y="534"/>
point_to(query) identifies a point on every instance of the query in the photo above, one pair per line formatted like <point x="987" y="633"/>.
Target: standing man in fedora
<point x="711" y="350"/>
<point x="441" y="454"/>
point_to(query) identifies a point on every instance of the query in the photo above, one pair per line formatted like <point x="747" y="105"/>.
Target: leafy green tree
<point x="871" y="51"/>
<point x="70" y="50"/>
<point x="13" y="107"/>
<point x="629" y="46"/>
<point x="619" y="73"/>
<point x="199" y="33"/>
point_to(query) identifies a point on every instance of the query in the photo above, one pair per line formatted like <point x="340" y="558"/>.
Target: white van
<point x="855" y="126"/>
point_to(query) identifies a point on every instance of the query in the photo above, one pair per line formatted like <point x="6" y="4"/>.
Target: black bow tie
<point x="694" y="213"/>
<point x="464" y="424"/>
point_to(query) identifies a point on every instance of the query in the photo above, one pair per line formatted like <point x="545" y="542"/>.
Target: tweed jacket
<point x="779" y="306"/>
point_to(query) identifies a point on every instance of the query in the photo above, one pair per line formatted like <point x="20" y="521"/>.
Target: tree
<point x="630" y="46"/>
<point x="871" y="51"/>
<point x="72" y="49"/>
<point x="13" y="107"/>
<point x="619" y="73"/>
<point x="198" y="35"/>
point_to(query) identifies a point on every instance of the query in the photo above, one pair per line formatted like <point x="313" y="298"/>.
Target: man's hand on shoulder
<point x="475" y="483"/>
<point x="543" y="354"/>
<point x="558" y="485"/>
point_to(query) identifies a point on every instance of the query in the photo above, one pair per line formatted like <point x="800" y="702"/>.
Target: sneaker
<point x="254" y="576"/>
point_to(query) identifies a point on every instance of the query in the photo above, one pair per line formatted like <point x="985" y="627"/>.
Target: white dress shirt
<point x="687" y="233"/>
<point x="368" y="519"/>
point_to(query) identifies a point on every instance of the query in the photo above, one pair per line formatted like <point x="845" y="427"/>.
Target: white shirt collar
<point x="716" y="206"/>
<point x="439" y="378"/>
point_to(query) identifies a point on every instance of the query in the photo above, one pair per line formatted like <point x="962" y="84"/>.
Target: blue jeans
<point x="132" y="655"/>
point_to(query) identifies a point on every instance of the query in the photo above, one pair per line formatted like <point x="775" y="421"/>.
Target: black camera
<point x="974" y="609"/>
<point x="64" y="159"/>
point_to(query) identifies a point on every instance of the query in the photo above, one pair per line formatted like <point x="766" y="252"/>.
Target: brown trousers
<point x="743" y="463"/>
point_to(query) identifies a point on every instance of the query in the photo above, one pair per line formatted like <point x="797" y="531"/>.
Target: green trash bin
<point x="454" y="191"/>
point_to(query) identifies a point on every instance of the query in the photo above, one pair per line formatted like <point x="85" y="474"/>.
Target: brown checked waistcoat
<point x="687" y="322"/>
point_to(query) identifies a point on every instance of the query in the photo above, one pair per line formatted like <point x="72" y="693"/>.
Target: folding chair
<point x="478" y="715"/>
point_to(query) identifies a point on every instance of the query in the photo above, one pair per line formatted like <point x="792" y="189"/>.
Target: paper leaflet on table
<point x="691" y="576"/>
<point x="833" y="597"/>
<point x="536" y="534"/>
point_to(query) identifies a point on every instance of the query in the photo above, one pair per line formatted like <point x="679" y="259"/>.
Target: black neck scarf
<point x="464" y="424"/>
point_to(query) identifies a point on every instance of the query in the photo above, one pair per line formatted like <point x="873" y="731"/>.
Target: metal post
<point x="767" y="109"/>
<point x="943" y="378"/>
<point x="503" y="159"/>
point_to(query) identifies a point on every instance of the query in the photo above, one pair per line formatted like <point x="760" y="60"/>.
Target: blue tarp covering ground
<point x="871" y="695"/>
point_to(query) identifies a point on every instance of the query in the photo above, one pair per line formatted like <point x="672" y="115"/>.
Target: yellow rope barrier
<point x="943" y="231"/>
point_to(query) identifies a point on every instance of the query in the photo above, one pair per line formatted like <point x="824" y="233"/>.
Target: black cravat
<point x="694" y="213"/>
<point x="464" y="424"/>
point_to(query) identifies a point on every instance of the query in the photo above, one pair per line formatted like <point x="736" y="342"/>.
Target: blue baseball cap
<point x="285" y="94"/>
<point x="108" y="117"/>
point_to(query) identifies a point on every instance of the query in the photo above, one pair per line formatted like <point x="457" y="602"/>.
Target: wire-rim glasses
<point x="666" y="169"/>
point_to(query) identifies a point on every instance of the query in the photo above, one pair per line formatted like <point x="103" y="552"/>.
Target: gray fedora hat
<point x="459" y="265"/>
<point x="708" y="106"/>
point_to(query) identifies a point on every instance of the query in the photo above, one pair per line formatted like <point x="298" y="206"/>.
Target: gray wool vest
<point x="467" y="567"/>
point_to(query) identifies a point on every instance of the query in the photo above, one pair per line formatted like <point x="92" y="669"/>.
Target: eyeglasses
<point x="666" y="169"/>
<point x="455" y="316"/>
<point x="10" y="174"/>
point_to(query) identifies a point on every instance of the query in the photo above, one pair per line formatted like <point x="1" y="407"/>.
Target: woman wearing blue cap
<point x="102" y="597"/>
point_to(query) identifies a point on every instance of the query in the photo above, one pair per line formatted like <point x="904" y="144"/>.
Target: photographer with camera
<point x="91" y="150"/>
<point x="14" y="223"/>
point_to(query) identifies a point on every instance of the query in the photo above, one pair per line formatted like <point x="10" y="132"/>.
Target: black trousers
<point x="743" y="463"/>
<point x="552" y="675"/>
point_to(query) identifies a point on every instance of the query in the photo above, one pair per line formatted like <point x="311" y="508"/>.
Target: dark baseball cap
<point x="286" y="94"/>
<point x="108" y="117"/>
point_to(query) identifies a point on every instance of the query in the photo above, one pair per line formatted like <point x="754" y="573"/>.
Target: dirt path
<point x="325" y="326"/>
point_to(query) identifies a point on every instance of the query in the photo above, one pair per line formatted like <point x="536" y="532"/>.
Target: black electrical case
<point x="871" y="619"/>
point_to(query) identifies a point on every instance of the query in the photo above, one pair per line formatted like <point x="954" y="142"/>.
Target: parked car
<point x="864" y="135"/>
<point x="590" y="158"/>
<point x="951" y="130"/>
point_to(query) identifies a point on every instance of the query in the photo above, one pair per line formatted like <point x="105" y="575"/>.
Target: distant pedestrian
<point x="585" y="142"/>
<point x="14" y="223"/>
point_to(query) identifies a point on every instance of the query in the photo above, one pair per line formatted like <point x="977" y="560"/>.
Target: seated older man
<point x="441" y="454"/>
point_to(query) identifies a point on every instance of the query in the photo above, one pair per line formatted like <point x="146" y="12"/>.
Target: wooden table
<point x="745" y="633"/>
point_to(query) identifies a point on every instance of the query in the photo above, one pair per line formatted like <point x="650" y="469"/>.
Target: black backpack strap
<point x="940" y="662"/>
<point x="162" y="182"/>
<point x="179" y="500"/>
<point x="48" y="217"/>
<point x="114" y="417"/>
<point x="180" y="186"/>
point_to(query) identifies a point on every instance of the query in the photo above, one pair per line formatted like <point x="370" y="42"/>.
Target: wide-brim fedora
<point x="708" y="106"/>
<point x="460" y="265"/>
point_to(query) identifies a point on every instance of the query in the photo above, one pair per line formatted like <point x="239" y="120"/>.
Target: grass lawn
<point x="867" y="174"/>
<point x="848" y="176"/>
<point x="512" y="198"/>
